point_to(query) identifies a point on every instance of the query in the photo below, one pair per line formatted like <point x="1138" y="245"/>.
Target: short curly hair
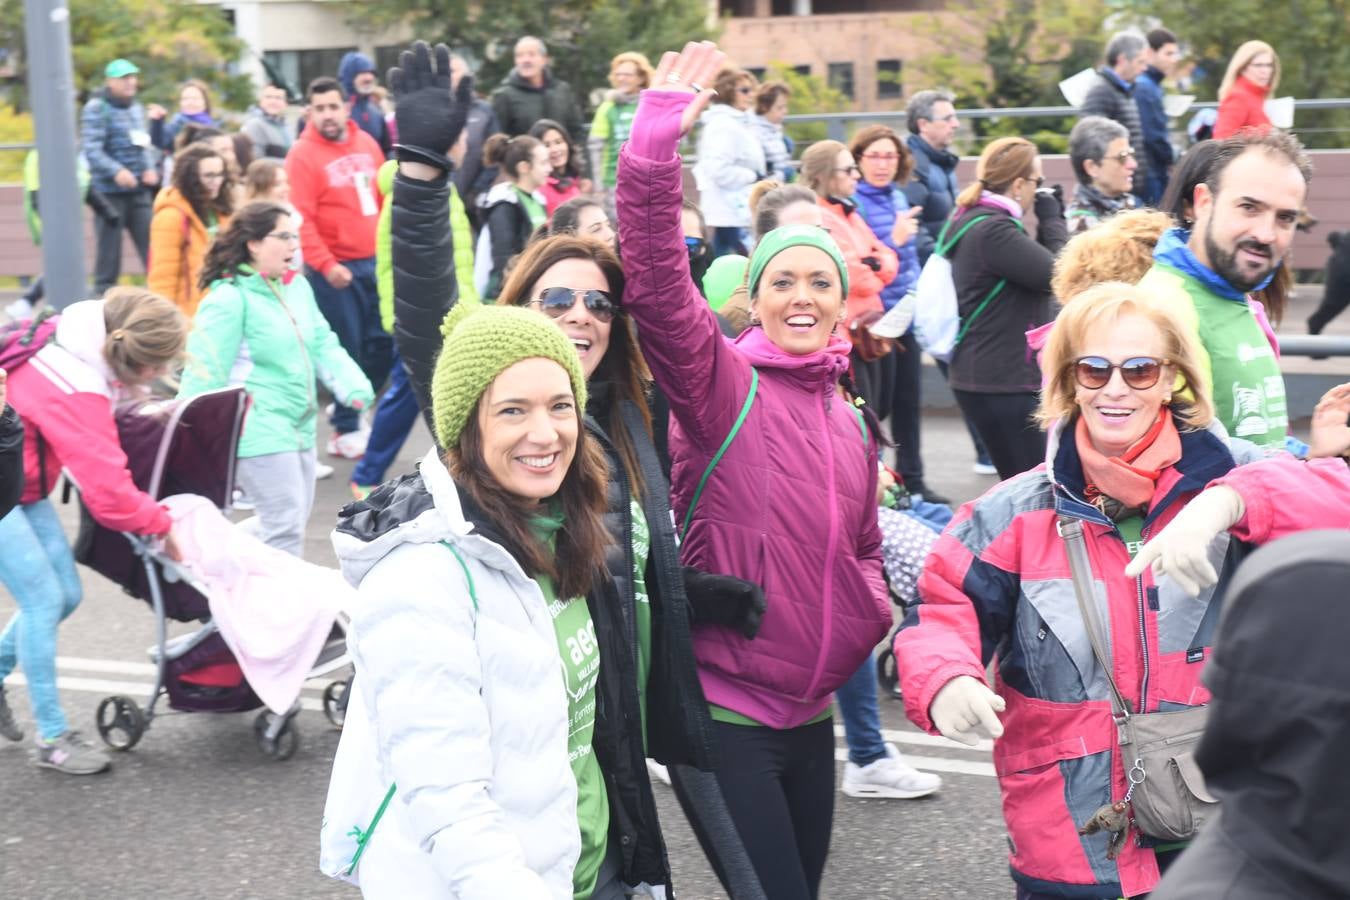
<point x="1119" y="249"/>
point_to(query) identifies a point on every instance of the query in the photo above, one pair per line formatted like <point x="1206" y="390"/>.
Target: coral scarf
<point x="1123" y="485"/>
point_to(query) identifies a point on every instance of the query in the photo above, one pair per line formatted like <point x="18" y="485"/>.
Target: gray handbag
<point x="1167" y="798"/>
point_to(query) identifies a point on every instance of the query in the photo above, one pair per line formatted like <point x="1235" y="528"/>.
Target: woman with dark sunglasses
<point x="1132" y="441"/>
<point x="650" y="702"/>
<point x="1002" y="278"/>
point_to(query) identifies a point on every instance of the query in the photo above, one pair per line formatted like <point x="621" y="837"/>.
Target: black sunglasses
<point x="1138" y="372"/>
<point x="556" y="301"/>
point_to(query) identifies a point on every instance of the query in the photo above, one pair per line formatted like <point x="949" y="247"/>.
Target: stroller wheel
<point x="120" y="722"/>
<point x="281" y="745"/>
<point x="887" y="674"/>
<point x="335" y="703"/>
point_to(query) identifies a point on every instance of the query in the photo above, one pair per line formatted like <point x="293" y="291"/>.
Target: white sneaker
<point x="658" y="772"/>
<point x="351" y="445"/>
<point x="241" y="502"/>
<point x="890" y="778"/>
<point x="983" y="469"/>
<point x="322" y="471"/>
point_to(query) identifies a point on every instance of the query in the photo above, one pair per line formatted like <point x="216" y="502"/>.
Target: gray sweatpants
<point x="281" y="488"/>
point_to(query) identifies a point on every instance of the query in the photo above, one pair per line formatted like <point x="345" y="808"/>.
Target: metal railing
<point x="836" y="123"/>
<point x="1314" y="345"/>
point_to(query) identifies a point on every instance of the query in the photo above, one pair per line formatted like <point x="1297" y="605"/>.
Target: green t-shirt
<point x="731" y="717"/>
<point x="580" y="657"/>
<point x="535" y="210"/>
<point x="613" y="121"/>
<point x="642" y="547"/>
<point x="1132" y="533"/>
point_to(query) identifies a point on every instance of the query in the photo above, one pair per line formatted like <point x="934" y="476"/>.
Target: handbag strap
<point x="721" y="451"/>
<point x="1071" y="530"/>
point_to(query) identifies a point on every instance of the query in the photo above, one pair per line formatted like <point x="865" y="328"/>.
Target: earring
<point x="1167" y="401"/>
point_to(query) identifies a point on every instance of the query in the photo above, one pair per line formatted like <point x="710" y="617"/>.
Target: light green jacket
<point x="270" y="338"/>
<point x="461" y="233"/>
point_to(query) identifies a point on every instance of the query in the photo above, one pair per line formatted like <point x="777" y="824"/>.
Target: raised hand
<point x="429" y="117"/>
<point x="688" y="72"/>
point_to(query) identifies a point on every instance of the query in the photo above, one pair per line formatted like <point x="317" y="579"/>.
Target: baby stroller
<point x="185" y="447"/>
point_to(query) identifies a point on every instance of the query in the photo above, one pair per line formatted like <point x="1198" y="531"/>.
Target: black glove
<point x="428" y="117"/>
<point x="725" y="600"/>
<point x="872" y="263"/>
<point x="1055" y="192"/>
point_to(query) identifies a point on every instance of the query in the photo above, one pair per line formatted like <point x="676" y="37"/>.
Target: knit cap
<point x="778" y="240"/>
<point x="480" y="342"/>
<point x="722" y="278"/>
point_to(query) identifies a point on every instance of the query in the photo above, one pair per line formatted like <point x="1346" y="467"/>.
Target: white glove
<point x="963" y="703"/>
<point x="1181" y="550"/>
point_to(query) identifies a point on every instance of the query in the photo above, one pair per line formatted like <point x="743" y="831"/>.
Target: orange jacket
<point x="857" y="242"/>
<point x="178" y="242"/>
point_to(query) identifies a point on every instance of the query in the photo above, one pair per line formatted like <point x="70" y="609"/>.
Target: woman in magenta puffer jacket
<point x="790" y="502"/>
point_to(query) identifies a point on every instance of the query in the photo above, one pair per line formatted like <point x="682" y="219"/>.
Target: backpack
<point x="937" y="318"/>
<point x="21" y="339"/>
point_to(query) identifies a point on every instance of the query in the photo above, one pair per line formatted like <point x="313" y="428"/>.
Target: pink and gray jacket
<point x="792" y="504"/>
<point x="998" y="586"/>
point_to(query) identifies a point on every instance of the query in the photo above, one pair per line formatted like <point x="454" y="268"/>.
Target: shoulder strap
<point x="473" y="594"/>
<point x="717" y="457"/>
<point x="1002" y="282"/>
<point x="1071" y="530"/>
<point x="945" y="248"/>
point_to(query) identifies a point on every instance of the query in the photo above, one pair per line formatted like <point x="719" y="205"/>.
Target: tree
<point x="582" y="35"/>
<point x="170" y="41"/>
<point x="1011" y="53"/>
<point x="1312" y="38"/>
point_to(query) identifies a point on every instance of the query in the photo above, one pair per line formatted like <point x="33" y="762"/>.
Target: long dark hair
<point x="187" y="164"/>
<point x="578" y="555"/>
<point x="572" y="168"/>
<point x="622" y="366"/>
<point x="230" y="250"/>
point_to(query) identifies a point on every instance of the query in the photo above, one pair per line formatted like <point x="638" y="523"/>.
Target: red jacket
<point x="857" y="242"/>
<point x="558" y="191"/>
<point x="1243" y="107"/>
<point x="333" y="186"/>
<point x="65" y="395"/>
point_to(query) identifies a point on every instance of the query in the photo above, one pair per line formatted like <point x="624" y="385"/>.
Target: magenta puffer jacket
<point x="792" y="504"/>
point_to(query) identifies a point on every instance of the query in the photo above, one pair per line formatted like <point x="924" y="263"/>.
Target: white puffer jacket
<point x="730" y="160"/>
<point x="463" y="710"/>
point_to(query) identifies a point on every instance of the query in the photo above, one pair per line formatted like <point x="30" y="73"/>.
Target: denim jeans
<point x="395" y="415"/>
<point x="727" y="240"/>
<point x="37" y="566"/>
<point x="353" y="313"/>
<point x="857" y="700"/>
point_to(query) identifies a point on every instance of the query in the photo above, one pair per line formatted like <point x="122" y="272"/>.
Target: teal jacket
<point x="269" y="336"/>
<point x="460" y="230"/>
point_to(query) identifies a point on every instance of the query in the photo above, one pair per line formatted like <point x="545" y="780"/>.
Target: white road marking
<point x="935" y="764"/>
<point x="135" y="690"/>
<point x="106" y="666"/>
<point x="918" y="738"/>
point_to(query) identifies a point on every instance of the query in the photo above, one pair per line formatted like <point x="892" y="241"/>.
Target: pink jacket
<point x="792" y="504"/>
<point x="1283" y="495"/>
<point x="65" y="395"/>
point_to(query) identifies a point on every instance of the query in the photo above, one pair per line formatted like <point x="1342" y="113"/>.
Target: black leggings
<point x="779" y="790"/>
<point x="906" y="408"/>
<point x="1007" y="428"/>
<point x="703" y="805"/>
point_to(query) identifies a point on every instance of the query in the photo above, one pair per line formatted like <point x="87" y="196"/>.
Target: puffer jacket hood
<point x="422" y="508"/>
<point x="1279" y="719"/>
<point x="82" y="332"/>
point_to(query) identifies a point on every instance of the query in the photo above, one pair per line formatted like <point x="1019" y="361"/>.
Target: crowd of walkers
<point x="659" y="535"/>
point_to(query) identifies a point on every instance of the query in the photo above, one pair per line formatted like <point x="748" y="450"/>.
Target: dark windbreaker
<point x="1274" y="749"/>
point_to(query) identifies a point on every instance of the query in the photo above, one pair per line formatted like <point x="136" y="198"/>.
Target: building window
<point x="757" y="71"/>
<point x="804" y="71"/>
<point x="889" y="86"/>
<point x="300" y="67"/>
<point x="386" y="58"/>
<point x="840" y="77"/>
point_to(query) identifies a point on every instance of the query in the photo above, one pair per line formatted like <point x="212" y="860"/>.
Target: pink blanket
<point x="273" y="610"/>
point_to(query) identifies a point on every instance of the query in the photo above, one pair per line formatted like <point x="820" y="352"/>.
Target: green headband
<point x="778" y="240"/>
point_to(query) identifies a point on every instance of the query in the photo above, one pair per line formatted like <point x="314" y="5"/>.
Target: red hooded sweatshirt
<point x="333" y="188"/>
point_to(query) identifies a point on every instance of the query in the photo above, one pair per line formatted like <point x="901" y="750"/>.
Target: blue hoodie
<point x="365" y="112"/>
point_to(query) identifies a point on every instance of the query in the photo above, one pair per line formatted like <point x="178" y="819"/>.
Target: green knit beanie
<point x="778" y="240"/>
<point x="480" y="342"/>
<point x="722" y="278"/>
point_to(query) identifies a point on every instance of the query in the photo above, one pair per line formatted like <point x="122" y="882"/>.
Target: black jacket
<point x="472" y="178"/>
<point x="509" y="229"/>
<point x="1108" y="98"/>
<point x="519" y="105"/>
<point x="993" y="357"/>
<point x="679" y="727"/>
<point x="1273" y="751"/>
<point x="11" y="460"/>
